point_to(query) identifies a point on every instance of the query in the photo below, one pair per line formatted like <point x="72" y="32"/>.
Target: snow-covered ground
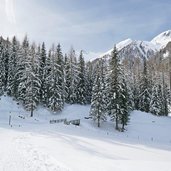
<point x="32" y="144"/>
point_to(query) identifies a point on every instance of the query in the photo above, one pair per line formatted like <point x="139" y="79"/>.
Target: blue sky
<point x="92" y="25"/>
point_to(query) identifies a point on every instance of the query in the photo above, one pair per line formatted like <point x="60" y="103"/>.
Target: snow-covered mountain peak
<point x="123" y="43"/>
<point x="162" y="39"/>
<point x="119" y="46"/>
<point x="138" y="48"/>
<point x="134" y="48"/>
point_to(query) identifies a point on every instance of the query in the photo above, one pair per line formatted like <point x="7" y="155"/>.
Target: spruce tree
<point x="6" y="57"/>
<point x="113" y="105"/>
<point x="156" y="103"/>
<point x="89" y="81"/>
<point x="98" y="99"/>
<point x="2" y="70"/>
<point x="71" y="77"/>
<point x="117" y="106"/>
<point x="21" y="73"/>
<point x="67" y="78"/>
<point x="47" y="82"/>
<point x="166" y="100"/>
<point x="33" y="82"/>
<point x="42" y="61"/>
<point x="55" y="101"/>
<point x="12" y="85"/>
<point x="60" y="75"/>
<point x="125" y="106"/>
<point x="81" y="86"/>
<point x="144" y="102"/>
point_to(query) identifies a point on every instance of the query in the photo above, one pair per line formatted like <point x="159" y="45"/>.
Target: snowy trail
<point x="61" y="151"/>
<point x="18" y="154"/>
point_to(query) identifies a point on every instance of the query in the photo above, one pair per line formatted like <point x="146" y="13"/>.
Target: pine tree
<point x="6" y="57"/>
<point x="125" y="106"/>
<point x="60" y="74"/>
<point x="33" y="82"/>
<point x="55" y="93"/>
<point x="67" y="79"/>
<point x="81" y="87"/>
<point x="166" y="100"/>
<point x="114" y="87"/>
<point x="98" y="101"/>
<point x="21" y="73"/>
<point x="118" y="100"/>
<point x="156" y="104"/>
<point x="42" y="60"/>
<point x="47" y="83"/>
<point x="89" y="81"/>
<point x="103" y="66"/>
<point x="12" y="85"/>
<point x="144" y="102"/>
<point x="71" y="77"/>
<point x="2" y="70"/>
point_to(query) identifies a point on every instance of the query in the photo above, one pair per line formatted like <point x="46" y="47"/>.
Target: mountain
<point x="139" y="49"/>
<point x="162" y="39"/>
<point x="134" y="48"/>
<point x="119" y="46"/>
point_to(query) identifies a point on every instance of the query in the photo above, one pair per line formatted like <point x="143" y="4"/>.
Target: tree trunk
<point x="117" y="127"/>
<point x="31" y="113"/>
<point x="98" y="124"/>
<point x="123" y="127"/>
<point x="32" y="108"/>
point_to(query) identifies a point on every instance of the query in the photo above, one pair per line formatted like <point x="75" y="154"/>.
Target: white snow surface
<point x="33" y="144"/>
<point x="123" y="44"/>
<point x="119" y="46"/>
<point x="162" y="39"/>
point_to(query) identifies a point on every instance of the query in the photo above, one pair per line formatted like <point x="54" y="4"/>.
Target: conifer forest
<point x="34" y="75"/>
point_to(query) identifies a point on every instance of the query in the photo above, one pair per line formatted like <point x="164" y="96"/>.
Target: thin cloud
<point x="90" y="25"/>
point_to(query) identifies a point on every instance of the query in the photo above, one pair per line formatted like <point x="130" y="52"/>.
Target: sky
<point x="90" y="25"/>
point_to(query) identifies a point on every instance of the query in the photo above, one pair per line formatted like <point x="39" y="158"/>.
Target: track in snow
<point x="19" y="155"/>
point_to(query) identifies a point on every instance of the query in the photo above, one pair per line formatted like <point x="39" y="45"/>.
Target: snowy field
<point x="32" y="144"/>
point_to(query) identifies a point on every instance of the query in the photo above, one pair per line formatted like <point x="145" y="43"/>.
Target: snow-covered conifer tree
<point x="42" y="61"/>
<point x="6" y="57"/>
<point x="144" y="96"/>
<point x="12" y="85"/>
<point x="55" y="101"/>
<point x="33" y="82"/>
<point x="156" y="103"/>
<point x="97" y="110"/>
<point x="60" y="74"/>
<point x="81" y="86"/>
<point x="71" y="77"/>
<point x="117" y="106"/>
<point x="125" y="105"/>
<point x="89" y="81"/>
<point x="2" y="70"/>
<point x="21" y="73"/>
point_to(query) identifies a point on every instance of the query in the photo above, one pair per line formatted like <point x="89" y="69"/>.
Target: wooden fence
<point x="57" y="121"/>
